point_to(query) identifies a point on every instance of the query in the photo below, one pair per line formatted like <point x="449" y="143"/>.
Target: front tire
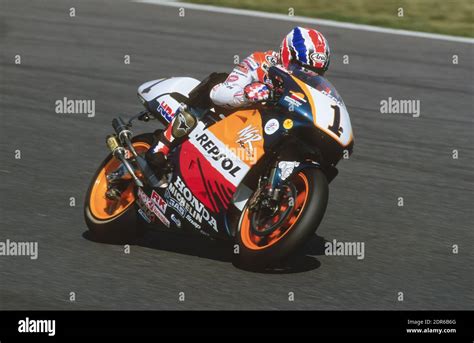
<point x="258" y="252"/>
<point x="121" y="225"/>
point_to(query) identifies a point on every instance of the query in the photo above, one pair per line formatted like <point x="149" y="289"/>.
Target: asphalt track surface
<point x="407" y="249"/>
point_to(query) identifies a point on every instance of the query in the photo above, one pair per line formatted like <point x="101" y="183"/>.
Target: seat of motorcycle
<point x="199" y="96"/>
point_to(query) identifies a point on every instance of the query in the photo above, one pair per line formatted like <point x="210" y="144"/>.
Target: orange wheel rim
<point x="254" y="242"/>
<point x="98" y="202"/>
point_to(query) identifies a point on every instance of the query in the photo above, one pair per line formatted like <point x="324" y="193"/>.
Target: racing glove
<point x="257" y="92"/>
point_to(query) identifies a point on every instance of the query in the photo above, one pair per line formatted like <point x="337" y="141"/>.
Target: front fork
<point x="118" y="143"/>
<point x="118" y="151"/>
<point x="269" y="188"/>
<point x="281" y="171"/>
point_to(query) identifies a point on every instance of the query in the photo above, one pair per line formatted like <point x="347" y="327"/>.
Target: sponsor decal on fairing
<point x="144" y="215"/>
<point x="221" y="158"/>
<point x="159" y="201"/>
<point x="331" y="111"/>
<point x="196" y="212"/>
<point x="271" y="126"/>
<point x="176" y="220"/>
<point x="175" y="204"/>
<point x="166" y="111"/>
<point x="150" y="204"/>
<point x="292" y="101"/>
<point x="245" y="138"/>
<point x="298" y="96"/>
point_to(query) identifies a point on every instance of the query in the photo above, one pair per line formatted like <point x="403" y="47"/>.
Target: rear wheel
<point x="113" y="221"/>
<point x="265" y="239"/>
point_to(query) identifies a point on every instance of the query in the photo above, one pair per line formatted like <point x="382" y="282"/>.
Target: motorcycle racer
<point x="248" y="83"/>
<point x="255" y="174"/>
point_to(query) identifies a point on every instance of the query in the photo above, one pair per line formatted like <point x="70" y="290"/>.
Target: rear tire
<point x="253" y="257"/>
<point x="122" y="227"/>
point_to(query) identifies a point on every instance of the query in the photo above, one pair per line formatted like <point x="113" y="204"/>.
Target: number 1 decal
<point x="335" y="127"/>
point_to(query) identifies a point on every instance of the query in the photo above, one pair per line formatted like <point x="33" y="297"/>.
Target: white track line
<point x="299" y="19"/>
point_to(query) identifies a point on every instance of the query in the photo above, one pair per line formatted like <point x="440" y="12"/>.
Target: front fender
<point x="286" y="169"/>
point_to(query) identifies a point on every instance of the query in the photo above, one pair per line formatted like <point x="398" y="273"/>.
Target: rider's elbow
<point x="216" y="95"/>
<point x="224" y="95"/>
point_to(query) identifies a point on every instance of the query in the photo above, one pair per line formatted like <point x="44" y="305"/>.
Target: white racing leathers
<point x="254" y="68"/>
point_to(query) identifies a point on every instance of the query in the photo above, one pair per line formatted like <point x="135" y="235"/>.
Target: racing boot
<point x="157" y="156"/>
<point x="176" y="132"/>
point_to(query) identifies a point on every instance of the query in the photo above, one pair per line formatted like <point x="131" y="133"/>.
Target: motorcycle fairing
<point x="210" y="166"/>
<point x="323" y="114"/>
<point x="213" y="161"/>
<point x="155" y="95"/>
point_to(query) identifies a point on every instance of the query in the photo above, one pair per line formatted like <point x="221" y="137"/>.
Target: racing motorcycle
<point x="256" y="176"/>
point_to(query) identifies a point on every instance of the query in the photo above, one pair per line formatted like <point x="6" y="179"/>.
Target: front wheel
<point x="266" y="242"/>
<point x="113" y="221"/>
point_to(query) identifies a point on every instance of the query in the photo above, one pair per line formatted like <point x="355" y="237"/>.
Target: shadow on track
<point x="222" y="251"/>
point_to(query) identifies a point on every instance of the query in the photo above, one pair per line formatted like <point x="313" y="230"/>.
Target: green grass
<point x="453" y="17"/>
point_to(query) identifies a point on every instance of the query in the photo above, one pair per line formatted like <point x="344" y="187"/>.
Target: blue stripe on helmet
<point x="299" y="45"/>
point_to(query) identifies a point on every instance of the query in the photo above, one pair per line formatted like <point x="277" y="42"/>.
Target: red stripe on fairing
<point x="189" y="160"/>
<point x="285" y="54"/>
